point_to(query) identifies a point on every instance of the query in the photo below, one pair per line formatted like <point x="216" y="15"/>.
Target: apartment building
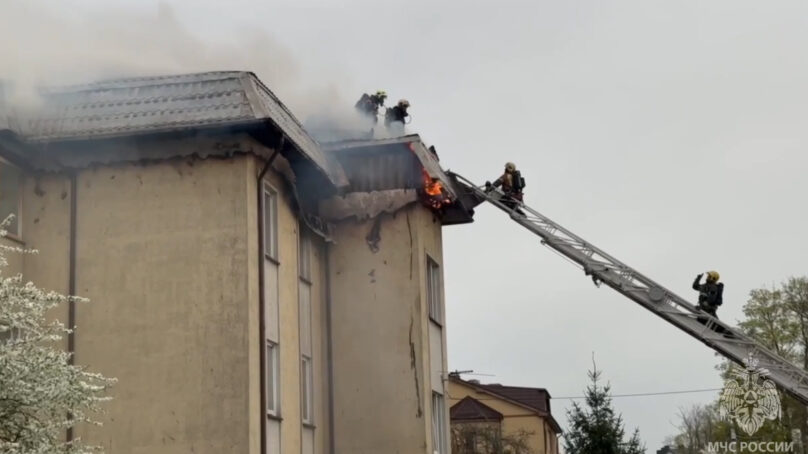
<point x="252" y="289"/>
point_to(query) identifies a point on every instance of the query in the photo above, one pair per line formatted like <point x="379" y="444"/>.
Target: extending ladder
<point x="724" y="339"/>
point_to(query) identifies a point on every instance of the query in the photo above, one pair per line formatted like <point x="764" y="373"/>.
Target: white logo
<point x="749" y="398"/>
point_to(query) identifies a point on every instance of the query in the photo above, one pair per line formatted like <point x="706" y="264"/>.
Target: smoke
<point x="40" y="45"/>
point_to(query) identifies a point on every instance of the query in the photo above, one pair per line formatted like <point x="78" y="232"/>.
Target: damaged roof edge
<point x="282" y="118"/>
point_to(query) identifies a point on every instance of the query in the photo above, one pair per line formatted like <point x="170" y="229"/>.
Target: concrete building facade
<point x="252" y="290"/>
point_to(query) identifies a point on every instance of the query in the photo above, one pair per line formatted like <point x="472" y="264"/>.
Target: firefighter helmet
<point x="713" y="276"/>
<point x="381" y="94"/>
<point x="404" y="103"/>
<point x="510" y="167"/>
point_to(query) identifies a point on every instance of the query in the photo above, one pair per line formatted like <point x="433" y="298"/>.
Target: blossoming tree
<point x="41" y="393"/>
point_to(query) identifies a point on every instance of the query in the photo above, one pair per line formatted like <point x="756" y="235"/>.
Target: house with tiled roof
<point x="519" y="415"/>
<point x="252" y="289"/>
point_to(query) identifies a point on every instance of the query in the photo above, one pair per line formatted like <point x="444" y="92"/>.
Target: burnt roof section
<point x="149" y="105"/>
<point x="397" y="163"/>
<point x="536" y="399"/>
<point x="471" y="409"/>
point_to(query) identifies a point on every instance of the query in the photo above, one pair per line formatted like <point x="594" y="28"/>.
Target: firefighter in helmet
<point x="369" y="104"/>
<point x="710" y="292"/>
<point x="512" y="184"/>
<point x="397" y="113"/>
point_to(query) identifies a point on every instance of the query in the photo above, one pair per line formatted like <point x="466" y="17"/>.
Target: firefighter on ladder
<point x="512" y="184"/>
<point x="711" y="292"/>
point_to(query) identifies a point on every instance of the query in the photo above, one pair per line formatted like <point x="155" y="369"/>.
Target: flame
<point x="433" y="188"/>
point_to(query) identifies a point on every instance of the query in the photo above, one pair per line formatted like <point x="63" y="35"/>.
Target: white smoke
<point x="39" y="47"/>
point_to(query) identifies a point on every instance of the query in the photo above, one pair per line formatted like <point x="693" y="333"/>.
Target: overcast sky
<point x="670" y="134"/>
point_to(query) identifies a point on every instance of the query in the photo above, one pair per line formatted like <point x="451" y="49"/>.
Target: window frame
<point x="270" y="222"/>
<point x="433" y="293"/>
<point x="439" y="429"/>
<point x="304" y="253"/>
<point x="272" y="376"/>
<point x="17" y="236"/>
<point x="306" y="390"/>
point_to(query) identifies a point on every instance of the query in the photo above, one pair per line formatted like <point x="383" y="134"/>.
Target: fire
<point x="433" y="189"/>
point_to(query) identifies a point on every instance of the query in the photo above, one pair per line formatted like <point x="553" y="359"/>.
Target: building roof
<point x="471" y="409"/>
<point x="379" y="164"/>
<point x="534" y="399"/>
<point x="147" y="105"/>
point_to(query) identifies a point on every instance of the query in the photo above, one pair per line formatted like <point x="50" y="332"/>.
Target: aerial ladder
<point x="603" y="268"/>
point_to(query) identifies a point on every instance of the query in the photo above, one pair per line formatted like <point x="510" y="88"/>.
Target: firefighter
<point x="710" y="293"/>
<point x="397" y="113"/>
<point x="369" y="104"/>
<point x="512" y="184"/>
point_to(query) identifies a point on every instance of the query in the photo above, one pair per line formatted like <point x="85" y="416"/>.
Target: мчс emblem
<point x="749" y="398"/>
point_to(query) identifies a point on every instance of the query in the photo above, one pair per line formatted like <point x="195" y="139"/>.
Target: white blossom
<point x="41" y="394"/>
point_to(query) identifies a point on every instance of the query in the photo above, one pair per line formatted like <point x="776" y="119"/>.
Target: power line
<point x="662" y="393"/>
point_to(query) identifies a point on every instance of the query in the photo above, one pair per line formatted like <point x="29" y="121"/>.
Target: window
<point x="304" y="254"/>
<point x="270" y="223"/>
<point x="272" y="379"/>
<point x="433" y="290"/>
<point x="438" y="424"/>
<point x="306" y="363"/>
<point x="306" y="390"/>
<point x="10" y="185"/>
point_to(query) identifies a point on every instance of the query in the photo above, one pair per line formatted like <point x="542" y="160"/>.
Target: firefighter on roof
<point x="512" y="184"/>
<point x="369" y="104"/>
<point x="397" y="113"/>
<point x="710" y="292"/>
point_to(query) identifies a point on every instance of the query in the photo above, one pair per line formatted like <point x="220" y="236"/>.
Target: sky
<point x="670" y="134"/>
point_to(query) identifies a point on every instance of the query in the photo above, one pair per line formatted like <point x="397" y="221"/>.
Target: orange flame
<point x="434" y="190"/>
<point x="431" y="187"/>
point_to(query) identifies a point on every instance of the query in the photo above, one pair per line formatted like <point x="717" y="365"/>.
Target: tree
<point x="597" y="429"/>
<point x="41" y="393"/>
<point x="487" y="438"/>
<point x="778" y="319"/>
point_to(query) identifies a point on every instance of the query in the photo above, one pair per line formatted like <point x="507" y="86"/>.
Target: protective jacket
<point x="710" y="293"/>
<point x="512" y="183"/>
<point x="395" y="113"/>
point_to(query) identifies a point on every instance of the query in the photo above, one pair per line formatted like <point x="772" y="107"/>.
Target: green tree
<point x="778" y="319"/>
<point x="597" y="428"/>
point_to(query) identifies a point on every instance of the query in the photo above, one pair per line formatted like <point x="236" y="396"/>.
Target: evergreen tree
<point x="597" y="429"/>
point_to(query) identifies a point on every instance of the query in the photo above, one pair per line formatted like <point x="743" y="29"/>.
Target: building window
<point x="438" y="424"/>
<point x="273" y="401"/>
<point x="307" y="390"/>
<point x="270" y="223"/>
<point x="10" y="197"/>
<point x="304" y="254"/>
<point x="306" y="352"/>
<point x="433" y="293"/>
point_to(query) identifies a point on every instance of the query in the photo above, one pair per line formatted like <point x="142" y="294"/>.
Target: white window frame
<point x="307" y="390"/>
<point x="272" y="352"/>
<point x="439" y="445"/>
<point x="433" y="290"/>
<point x="304" y="250"/>
<point x="270" y="214"/>
<point x="17" y="235"/>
